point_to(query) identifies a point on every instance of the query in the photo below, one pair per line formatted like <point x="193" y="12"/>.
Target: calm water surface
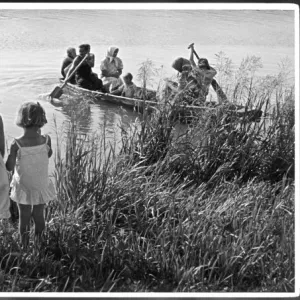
<point x="33" y="44"/>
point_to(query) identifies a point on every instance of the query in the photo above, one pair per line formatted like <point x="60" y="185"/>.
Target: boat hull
<point x="186" y="113"/>
<point x="136" y="104"/>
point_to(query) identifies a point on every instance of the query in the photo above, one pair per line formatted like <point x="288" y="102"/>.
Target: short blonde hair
<point x="31" y="114"/>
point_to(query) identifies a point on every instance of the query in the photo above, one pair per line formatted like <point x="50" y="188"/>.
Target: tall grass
<point x="208" y="210"/>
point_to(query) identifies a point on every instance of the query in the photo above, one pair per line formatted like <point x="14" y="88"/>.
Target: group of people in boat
<point x="111" y="67"/>
<point x="192" y="86"/>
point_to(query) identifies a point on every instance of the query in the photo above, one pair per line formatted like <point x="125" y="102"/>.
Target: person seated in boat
<point x="67" y="62"/>
<point x="84" y="76"/>
<point x="127" y="89"/>
<point x="94" y="76"/>
<point x="111" y="69"/>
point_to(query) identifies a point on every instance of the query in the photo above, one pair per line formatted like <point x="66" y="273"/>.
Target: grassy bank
<point x="210" y="210"/>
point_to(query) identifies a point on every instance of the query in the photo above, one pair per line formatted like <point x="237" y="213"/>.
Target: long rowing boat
<point x="253" y="115"/>
<point x="75" y="91"/>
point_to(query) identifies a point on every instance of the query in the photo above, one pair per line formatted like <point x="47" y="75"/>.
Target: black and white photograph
<point x="149" y="149"/>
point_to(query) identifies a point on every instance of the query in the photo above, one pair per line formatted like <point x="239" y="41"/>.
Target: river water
<point x="33" y="43"/>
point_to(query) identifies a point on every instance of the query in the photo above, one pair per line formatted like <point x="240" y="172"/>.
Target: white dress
<point x="4" y="191"/>
<point x="31" y="183"/>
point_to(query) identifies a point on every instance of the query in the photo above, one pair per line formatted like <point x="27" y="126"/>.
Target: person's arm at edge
<point x="50" y="149"/>
<point x="2" y="139"/>
<point x="11" y="160"/>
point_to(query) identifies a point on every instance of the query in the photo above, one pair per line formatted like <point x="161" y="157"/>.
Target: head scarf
<point x="110" y="52"/>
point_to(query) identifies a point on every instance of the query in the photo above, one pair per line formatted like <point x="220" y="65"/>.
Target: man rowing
<point x="84" y="76"/>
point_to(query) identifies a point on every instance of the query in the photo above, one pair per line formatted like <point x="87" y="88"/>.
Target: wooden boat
<point x="184" y="111"/>
<point x="98" y="97"/>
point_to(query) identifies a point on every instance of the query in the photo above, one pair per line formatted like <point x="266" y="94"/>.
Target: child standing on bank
<point x="29" y="158"/>
<point x="4" y="183"/>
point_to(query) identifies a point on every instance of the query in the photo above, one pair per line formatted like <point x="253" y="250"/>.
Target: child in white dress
<point x="29" y="158"/>
<point x="4" y="183"/>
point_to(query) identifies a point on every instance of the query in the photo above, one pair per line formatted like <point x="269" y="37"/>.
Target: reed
<point x="210" y="210"/>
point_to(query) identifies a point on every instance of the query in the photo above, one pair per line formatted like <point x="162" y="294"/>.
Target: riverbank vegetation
<point x="208" y="210"/>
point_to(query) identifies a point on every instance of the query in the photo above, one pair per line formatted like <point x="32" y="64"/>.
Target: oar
<point x="58" y="91"/>
<point x="214" y="82"/>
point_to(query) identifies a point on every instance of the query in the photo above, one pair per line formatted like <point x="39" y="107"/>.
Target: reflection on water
<point x="80" y="110"/>
<point x="83" y="109"/>
<point x="95" y="116"/>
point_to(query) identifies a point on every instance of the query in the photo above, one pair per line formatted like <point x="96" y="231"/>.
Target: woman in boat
<point x="170" y="88"/>
<point x="128" y="89"/>
<point x="111" y="69"/>
<point x="183" y="66"/>
<point x="67" y="62"/>
<point x="84" y="76"/>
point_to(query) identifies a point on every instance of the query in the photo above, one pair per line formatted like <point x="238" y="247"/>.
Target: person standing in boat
<point x="67" y="63"/>
<point x="84" y="76"/>
<point x="198" y="79"/>
<point x="111" y="69"/>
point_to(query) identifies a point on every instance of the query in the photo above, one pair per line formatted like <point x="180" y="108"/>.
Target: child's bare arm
<point x="11" y="160"/>
<point x="2" y="140"/>
<point x="50" y="149"/>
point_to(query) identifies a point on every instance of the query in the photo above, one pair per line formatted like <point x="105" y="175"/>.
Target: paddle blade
<point x="56" y="93"/>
